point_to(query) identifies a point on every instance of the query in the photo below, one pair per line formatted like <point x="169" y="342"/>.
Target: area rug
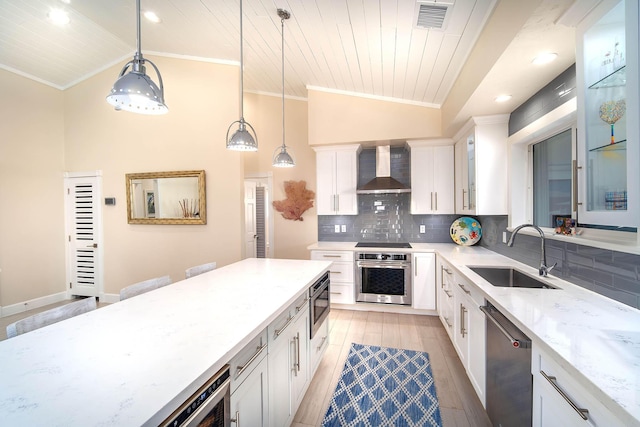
<point x="381" y="386"/>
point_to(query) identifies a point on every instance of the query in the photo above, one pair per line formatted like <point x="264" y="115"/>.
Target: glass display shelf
<point x="616" y="146"/>
<point x="616" y="79"/>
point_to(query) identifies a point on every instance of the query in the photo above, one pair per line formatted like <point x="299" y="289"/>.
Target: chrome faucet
<point x="543" y="270"/>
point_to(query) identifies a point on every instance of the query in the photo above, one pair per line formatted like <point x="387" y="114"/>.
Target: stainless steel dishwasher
<point x="509" y="383"/>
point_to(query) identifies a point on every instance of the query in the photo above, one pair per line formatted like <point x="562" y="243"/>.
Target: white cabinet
<point x="469" y="328"/>
<point x="424" y="281"/>
<point x="342" y="288"/>
<point x="444" y="285"/>
<point x="481" y="166"/>
<point x="432" y="178"/>
<point x="607" y="81"/>
<point x="337" y="179"/>
<point x="249" y="384"/>
<point x="288" y="361"/>
<point x="559" y="400"/>
<point x="317" y="346"/>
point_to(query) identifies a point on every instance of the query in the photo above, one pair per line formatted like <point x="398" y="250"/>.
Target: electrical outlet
<point x="337" y="228"/>
<point x="423" y="228"/>
<point x="504" y="237"/>
<point x="343" y="228"/>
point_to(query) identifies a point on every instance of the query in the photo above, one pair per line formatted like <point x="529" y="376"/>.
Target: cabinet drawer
<point x="470" y="290"/>
<point x="342" y="294"/>
<point x="341" y="272"/>
<point x="247" y="359"/>
<point x="332" y="255"/>
<point x="318" y="345"/>
<point x="284" y="321"/>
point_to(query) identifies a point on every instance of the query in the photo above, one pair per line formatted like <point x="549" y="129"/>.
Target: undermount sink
<point x="509" y="277"/>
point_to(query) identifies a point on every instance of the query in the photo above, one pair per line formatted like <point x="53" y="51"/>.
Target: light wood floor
<point x="459" y="405"/>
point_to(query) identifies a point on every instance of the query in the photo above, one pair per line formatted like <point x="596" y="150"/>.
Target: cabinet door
<point x="464" y="182"/>
<point x="326" y="190"/>
<point x="443" y="180"/>
<point x="424" y="277"/>
<point x="300" y="358"/>
<point x="346" y="179"/>
<point x="249" y="402"/>
<point x="421" y="180"/>
<point x="279" y="367"/>
<point x="461" y="325"/>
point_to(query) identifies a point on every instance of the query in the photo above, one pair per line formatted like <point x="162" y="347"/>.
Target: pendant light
<point x="135" y="91"/>
<point x="281" y="158"/>
<point x="243" y="139"/>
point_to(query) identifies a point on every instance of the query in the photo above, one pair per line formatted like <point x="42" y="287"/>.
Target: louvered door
<point x="83" y="231"/>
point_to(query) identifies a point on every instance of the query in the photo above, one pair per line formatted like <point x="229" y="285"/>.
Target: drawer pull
<point x="552" y="380"/>
<point x="322" y="343"/>
<point x="446" y="320"/>
<point x="448" y="294"/>
<point x="332" y="256"/>
<point x="466" y="291"/>
<point x="242" y="368"/>
<point x="335" y="293"/>
<point x="301" y="306"/>
<point x="336" y="272"/>
<point x="279" y="331"/>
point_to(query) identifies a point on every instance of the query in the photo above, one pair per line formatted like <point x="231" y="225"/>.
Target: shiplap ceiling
<point x="369" y="47"/>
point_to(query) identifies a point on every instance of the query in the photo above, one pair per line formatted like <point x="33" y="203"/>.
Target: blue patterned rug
<point x="382" y="386"/>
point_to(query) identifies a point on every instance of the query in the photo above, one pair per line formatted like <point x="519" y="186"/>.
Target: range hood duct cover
<point x="383" y="182"/>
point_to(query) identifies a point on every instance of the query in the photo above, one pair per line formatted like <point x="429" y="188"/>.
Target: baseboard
<point x="21" y="307"/>
<point x="384" y="308"/>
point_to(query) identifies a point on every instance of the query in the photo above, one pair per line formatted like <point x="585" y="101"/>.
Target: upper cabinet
<point x="607" y="80"/>
<point x="481" y="166"/>
<point x="337" y="179"/>
<point x="432" y="177"/>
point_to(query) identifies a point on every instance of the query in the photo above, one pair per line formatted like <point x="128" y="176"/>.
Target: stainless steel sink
<point x="509" y="277"/>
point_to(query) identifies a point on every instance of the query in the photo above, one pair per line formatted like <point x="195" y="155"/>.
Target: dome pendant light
<point x="243" y="139"/>
<point x="135" y="91"/>
<point x="281" y="158"/>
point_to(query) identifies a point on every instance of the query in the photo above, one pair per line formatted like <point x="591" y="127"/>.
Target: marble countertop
<point x="133" y="362"/>
<point x="594" y="338"/>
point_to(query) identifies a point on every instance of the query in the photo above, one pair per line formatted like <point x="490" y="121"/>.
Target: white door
<point x="84" y="232"/>
<point x="250" y="229"/>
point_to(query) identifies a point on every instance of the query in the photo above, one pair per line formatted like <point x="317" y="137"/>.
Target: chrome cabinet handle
<point x="301" y="306"/>
<point x="335" y="293"/>
<point x="432" y="200"/>
<point x="552" y="380"/>
<point x="242" y="368"/>
<point x="463" y="330"/>
<point x="296" y="365"/>
<point x="448" y="294"/>
<point x="463" y="193"/>
<point x="236" y="419"/>
<point x="446" y="320"/>
<point x="464" y="289"/>
<point x="332" y="256"/>
<point x="336" y="272"/>
<point x="436" y="201"/>
<point x="322" y="343"/>
<point x="279" y="331"/>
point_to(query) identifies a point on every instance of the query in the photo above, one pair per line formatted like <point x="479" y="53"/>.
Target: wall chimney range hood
<point x="383" y="183"/>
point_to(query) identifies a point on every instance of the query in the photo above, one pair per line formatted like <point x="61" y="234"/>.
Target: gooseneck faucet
<point x="543" y="270"/>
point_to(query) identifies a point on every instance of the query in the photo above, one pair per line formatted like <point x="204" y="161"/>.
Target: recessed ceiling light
<point x="544" y="58"/>
<point x="503" y="98"/>
<point x="58" y="17"/>
<point x="151" y="16"/>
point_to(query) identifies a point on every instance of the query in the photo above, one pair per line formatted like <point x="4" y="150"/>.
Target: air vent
<point x="432" y="14"/>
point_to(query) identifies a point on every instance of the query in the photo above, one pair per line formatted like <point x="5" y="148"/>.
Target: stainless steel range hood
<point x="383" y="182"/>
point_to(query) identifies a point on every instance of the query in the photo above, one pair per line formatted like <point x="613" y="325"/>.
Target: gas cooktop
<point x="394" y="245"/>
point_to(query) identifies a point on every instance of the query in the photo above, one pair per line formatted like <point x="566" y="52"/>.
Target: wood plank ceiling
<point x="369" y="47"/>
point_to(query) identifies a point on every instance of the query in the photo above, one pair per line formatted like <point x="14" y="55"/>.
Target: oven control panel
<point x="383" y="256"/>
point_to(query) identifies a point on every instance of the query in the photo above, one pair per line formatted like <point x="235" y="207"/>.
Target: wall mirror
<point x="166" y="198"/>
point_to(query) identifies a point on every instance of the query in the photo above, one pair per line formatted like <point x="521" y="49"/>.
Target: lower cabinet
<point x="559" y="400"/>
<point x="318" y="345"/>
<point x="288" y="362"/>
<point x="469" y="333"/>
<point x="250" y="400"/>
<point x="444" y="294"/>
<point x="342" y="274"/>
<point x="424" y="287"/>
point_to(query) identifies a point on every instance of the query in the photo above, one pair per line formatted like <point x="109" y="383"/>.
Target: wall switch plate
<point x="504" y="237"/>
<point x="337" y="228"/>
<point x="343" y="228"/>
<point x="423" y="228"/>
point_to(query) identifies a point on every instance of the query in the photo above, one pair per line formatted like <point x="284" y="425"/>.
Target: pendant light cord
<point x="241" y="70"/>
<point x="282" y="24"/>
<point x="138" y="36"/>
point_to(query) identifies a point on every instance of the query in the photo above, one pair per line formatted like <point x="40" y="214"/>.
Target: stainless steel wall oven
<point x="383" y="277"/>
<point x="319" y="303"/>
<point x="209" y="406"/>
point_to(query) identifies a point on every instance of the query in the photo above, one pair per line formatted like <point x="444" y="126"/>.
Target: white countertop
<point x="133" y="362"/>
<point x="596" y="339"/>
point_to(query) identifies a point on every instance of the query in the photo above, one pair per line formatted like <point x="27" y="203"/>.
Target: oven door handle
<point x="378" y="265"/>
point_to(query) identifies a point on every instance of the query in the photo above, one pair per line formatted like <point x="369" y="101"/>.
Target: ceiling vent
<point x="433" y="14"/>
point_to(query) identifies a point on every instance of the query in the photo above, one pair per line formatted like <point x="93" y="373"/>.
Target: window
<point x="552" y="174"/>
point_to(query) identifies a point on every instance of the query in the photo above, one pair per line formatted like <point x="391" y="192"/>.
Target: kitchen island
<point x="134" y="362"/>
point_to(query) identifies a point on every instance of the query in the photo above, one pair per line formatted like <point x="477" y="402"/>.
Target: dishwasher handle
<point x="515" y="343"/>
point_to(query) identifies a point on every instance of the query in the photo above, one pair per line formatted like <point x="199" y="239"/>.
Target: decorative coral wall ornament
<point x="298" y="200"/>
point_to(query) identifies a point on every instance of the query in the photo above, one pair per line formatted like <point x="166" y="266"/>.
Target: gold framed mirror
<point x="166" y="198"/>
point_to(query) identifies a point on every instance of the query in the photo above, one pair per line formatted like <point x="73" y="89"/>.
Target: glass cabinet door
<point x="604" y="159"/>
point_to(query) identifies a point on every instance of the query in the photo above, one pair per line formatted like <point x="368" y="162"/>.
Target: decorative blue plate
<point x="466" y="231"/>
